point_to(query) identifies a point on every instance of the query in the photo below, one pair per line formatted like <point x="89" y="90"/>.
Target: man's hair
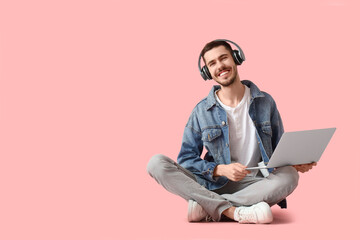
<point x="214" y="44"/>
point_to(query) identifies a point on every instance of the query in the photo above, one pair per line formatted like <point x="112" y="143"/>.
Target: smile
<point x="223" y="73"/>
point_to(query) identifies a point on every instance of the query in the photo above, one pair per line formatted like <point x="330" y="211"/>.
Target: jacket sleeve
<point x="277" y="132"/>
<point x="191" y="150"/>
<point x="276" y="126"/>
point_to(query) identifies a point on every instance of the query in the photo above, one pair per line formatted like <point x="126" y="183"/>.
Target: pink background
<point x="90" y="90"/>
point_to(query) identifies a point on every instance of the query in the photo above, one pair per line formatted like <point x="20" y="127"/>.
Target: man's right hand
<point x="234" y="171"/>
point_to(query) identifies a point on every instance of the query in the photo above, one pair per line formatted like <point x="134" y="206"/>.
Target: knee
<point x="285" y="179"/>
<point x="156" y="163"/>
<point x="289" y="176"/>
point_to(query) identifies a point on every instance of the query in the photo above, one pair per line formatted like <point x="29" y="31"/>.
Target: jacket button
<point x="227" y="145"/>
<point x="223" y="123"/>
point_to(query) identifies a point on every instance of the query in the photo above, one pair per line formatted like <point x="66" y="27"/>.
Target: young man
<point x="239" y="126"/>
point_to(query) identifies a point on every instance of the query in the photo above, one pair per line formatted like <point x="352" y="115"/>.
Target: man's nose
<point x="221" y="65"/>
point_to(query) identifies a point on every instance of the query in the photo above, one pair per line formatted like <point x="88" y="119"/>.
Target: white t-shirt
<point x="244" y="146"/>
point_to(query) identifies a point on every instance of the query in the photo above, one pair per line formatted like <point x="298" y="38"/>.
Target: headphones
<point x="238" y="56"/>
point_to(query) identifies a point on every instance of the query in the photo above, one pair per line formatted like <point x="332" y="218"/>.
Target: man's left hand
<point x="304" y="167"/>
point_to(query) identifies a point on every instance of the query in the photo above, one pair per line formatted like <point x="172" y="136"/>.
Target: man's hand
<point x="234" y="171"/>
<point x="304" y="167"/>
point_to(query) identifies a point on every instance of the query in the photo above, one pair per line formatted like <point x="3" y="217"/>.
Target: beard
<point x="228" y="82"/>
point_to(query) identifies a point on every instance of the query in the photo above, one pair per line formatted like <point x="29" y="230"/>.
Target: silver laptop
<point x="301" y="147"/>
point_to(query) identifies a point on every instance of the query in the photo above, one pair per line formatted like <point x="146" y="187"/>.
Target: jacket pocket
<point x="209" y="135"/>
<point x="213" y="141"/>
<point x="266" y="128"/>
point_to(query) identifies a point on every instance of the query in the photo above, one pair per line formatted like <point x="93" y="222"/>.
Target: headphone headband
<point x="238" y="56"/>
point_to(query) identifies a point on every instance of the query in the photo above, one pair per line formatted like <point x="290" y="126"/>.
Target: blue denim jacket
<point x="208" y="126"/>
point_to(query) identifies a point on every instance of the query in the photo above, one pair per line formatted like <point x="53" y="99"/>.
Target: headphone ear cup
<point x="202" y="73"/>
<point x="237" y="57"/>
<point x="205" y="73"/>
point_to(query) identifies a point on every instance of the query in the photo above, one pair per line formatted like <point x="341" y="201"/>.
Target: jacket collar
<point x="254" y="91"/>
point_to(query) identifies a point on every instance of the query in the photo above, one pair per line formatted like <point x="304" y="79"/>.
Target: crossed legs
<point x="251" y="190"/>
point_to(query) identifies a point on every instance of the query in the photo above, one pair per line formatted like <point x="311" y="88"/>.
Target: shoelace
<point x="247" y="215"/>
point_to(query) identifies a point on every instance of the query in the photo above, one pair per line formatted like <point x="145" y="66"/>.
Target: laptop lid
<point x="299" y="147"/>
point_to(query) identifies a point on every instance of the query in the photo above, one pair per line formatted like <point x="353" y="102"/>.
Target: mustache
<point x="222" y="69"/>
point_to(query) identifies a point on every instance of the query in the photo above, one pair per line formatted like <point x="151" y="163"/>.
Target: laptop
<point x="299" y="147"/>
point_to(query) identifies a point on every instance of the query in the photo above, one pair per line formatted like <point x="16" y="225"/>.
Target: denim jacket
<point x="208" y="127"/>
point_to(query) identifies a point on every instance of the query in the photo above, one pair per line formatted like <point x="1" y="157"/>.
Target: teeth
<point x="223" y="73"/>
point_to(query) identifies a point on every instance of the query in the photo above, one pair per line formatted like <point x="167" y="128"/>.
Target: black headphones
<point x="238" y="56"/>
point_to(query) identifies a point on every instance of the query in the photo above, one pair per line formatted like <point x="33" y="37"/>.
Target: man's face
<point x="221" y="65"/>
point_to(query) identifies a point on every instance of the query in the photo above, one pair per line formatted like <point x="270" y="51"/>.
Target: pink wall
<point x="90" y="90"/>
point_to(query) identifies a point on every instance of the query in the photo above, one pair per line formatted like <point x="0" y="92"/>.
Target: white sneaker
<point x="196" y="213"/>
<point x="257" y="213"/>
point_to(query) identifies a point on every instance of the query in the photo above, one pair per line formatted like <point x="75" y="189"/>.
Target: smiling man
<point x="239" y="126"/>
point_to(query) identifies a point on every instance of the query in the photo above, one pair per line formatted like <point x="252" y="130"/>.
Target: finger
<point x="240" y="175"/>
<point x="240" y="178"/>
<point x="241" y="170"/>
<point x="245" y="172"/>
<point x="237" y="166"/>
<point x="306" y="169"/>
<point x="237" y="178"/>
<point x="240" y="166"/>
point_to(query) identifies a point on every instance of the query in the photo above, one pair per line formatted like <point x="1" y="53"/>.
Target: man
<point x="240" y="127"/>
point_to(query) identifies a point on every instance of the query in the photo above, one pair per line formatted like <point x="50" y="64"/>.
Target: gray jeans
<point x="250" y="190"/>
